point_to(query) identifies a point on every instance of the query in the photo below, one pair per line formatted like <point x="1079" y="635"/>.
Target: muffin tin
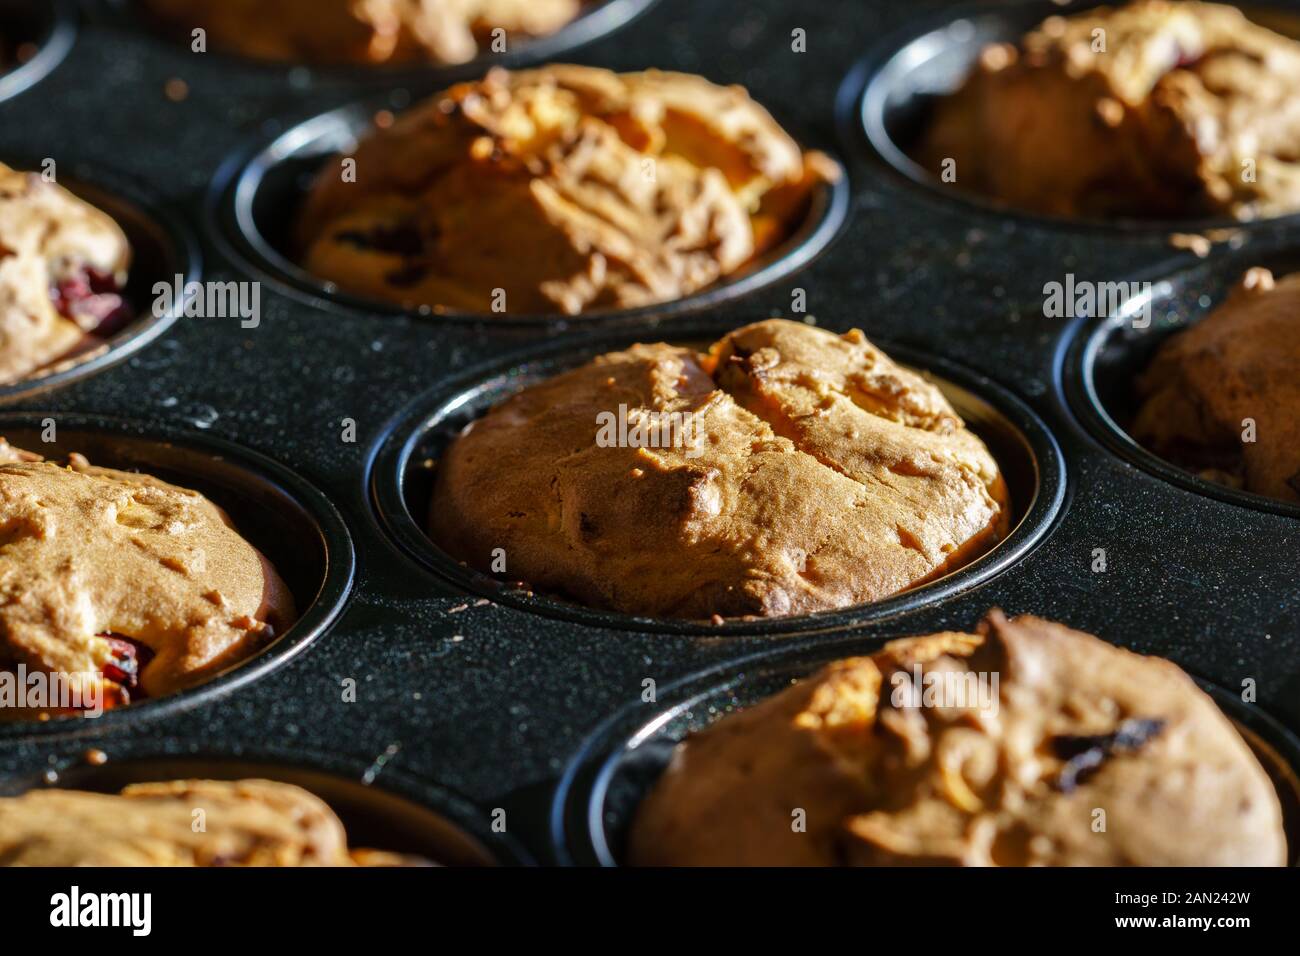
<point x="163" y="247"/>
<point x="930" y="58"/>
<point x="487" y="706"/>
<point x="599" y="795"/>
<point x="258" y="204"/>
<point x="37" y="36"/>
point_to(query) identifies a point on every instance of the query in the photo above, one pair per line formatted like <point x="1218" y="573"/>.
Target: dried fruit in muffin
<point x="246" y="823"/>
<point x="1155" y="109"/>
<point x="1222" y="398"/>
<point x="374" y="31"/>
<point x="787" y="471"/>
<point x="63" y="265"/>
<point x="562" y="189"/>
<point x="916" y="756"/>
<point x="126" y="581"/>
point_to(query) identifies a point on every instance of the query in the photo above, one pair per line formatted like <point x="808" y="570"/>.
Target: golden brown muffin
<point x="562" y="189"/>
<point x="1223" y="397"/>
<point x="788" y="471"/>
<point x="123" y="579"/>
<point x="366" y="31"/>
<point x="244" y="823"/>
<point x="1154" y="109"/>
<point x="1081" y="754"/>
<point x="63" y="264"/>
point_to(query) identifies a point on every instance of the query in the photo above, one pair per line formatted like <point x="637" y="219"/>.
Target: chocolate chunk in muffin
<point x="1080" y="754"/>
<point x="1222" y="398"/>
<point x="246" y="823"/>
<point x="562" y="189"/>
<point x="1156" y="109"/>
<point x="788" y="470"/>
<point x="63" y="265"/>
<point x="373" y="32"/>
<point x="126" y="581"/>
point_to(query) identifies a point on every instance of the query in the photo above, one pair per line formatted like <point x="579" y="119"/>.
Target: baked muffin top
<point x="561" y="189"/>
<point x="1153" y="109"/>
<point x="62" y="264"/>
<point x="1081" y="754"/>
<point x="1239" y="365"/>
<point x="375" y="32"/>
<point x="120" y="574"/>
<point x="787" y="471"/>
<point x="246" y="823"/>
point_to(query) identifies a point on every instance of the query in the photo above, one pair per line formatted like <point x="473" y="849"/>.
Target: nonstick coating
<point x="493" y="701"/>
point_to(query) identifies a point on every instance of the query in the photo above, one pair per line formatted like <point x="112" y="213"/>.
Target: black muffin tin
<point x="492" y="724"/>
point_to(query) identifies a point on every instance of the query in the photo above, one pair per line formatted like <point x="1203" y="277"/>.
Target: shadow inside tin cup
<point x="35" y="36"/>
<point x="892" y="95"/>
<point x="617" y="767"/>
<point x="402" y="478"/>
<point x="290" y="522"/>
<point x="258" y="201"/>
<point x="595" y="21"/>
<point x="430" y="826"/>
<point x="1100" y="360"/>
<point x="162" y="249"/>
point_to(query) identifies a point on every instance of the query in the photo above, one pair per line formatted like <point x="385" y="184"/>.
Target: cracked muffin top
<point x="1157" y="109"/>
<point x="366" y="31"/>
<point x="562" y="189"/>
<point x="1209" y="382"/>
<point x="786" y="471"/>
<point x="1081" y="754"/>
<point x="63" y="264"/>
<point x="123" y="579"/>
<point x="245" y="823"/>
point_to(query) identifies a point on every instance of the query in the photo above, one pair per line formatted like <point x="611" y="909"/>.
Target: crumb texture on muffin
<point x="808" y="472"/>
<point x="99" y="567"/>
<point x="366" y="31"/>
<point x="1222" y="398"/>
<point x="1156" y="109"/>
<point x="1080" y="727"/>
<point x="246" y="823"/>
<point x="561" y="189"/>
<point x="62" y="266"/>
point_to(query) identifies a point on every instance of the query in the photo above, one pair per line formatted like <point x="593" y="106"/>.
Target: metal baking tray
<point x="493" y="725"/>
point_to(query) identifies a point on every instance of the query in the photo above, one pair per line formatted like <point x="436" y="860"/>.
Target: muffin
<point x="63" y="265"/>
<point x="374" y="32"/>
<point x="125" y="586"/>
<point x="1080" y="754"/>
<point x="1155" y="109"/>
<point x="785" y="471"/>
<point x="562" y="189"/>
<point x="245" y="823"/>
<point x="1237" y="366"/>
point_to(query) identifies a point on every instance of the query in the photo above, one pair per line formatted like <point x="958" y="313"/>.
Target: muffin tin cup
<point x="394" y="812"/>
<point x="1100" y="358"/>
<point x="49" y="25"/>
<point x="888" y="99"/>
<point x="255" y="199"/>
<point x="615" y="769"/>
<point x="593" y="24"/>
<point x="400" y="486"/>
<point x="289" y="521"/>
<point x="162" y="248"/>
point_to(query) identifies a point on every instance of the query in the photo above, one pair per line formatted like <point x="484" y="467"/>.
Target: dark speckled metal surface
<point x="491" y="702"/>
